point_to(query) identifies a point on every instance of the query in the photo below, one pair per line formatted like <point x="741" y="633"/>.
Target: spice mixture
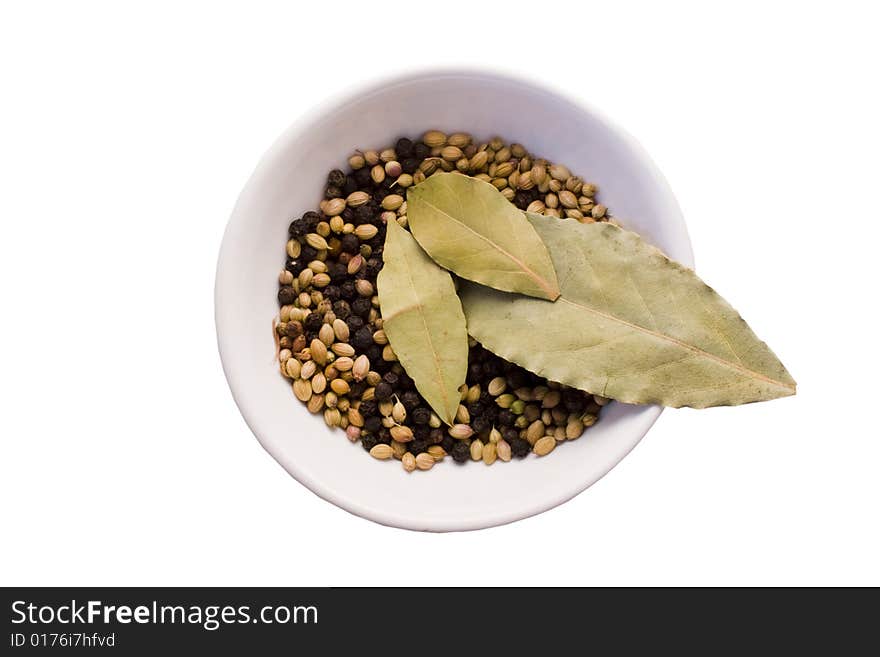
<point x="330" y="336"/>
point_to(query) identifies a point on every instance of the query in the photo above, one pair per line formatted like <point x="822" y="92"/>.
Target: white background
<point x="126" y="132"/>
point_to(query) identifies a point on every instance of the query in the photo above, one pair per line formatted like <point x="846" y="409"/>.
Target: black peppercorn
<point x="373" y="267"/>
<point x="475" y="371"/>
<point x="421" y="150"/>
<point x="517" y="378"/>
<point x="350" y="243"/>
<point x="341" y="308"/>
<point x="336" y="178"/>
<point x="331" y="292"/>
<point x="332" y="191"/>
<point x="573" y="400"/>
<point x="384" y="436"/>
<point x="362" y="339"/>
<point x="362" y="178"/>
<point x="383" y="391"/>
<point x="348" y="291"/>
<point x="295" y="265"/>
<point x="475" y="409"/>
<point x="298" y="228"/>
<point x="350" y="185"/>
<point x="447" y="443"/>
<point x="521" y="200"/>
<point x="461" y="451"/>
<point x="372" y="424"/>
<point x="313" y="322"/>
<point x="391" y="378"/>
<point x="421" y="431"/>
<point x="519" y="447"/>
<point x="286" y="295"/>
<point x="307" y="253"/>
<point x="510" y="434"/>
<point x="374" y="353"/>
<point x="480" y="423"/>
<point x="421" y="415"/>
<point x="492" y="368"/>
<point x="356" y="389"/>
<point x="505" y="418"/>
<point x="418" y="446"/>
<point x="410" y="165"/>
<point x="368" y="407"/>
<point x="405" y="382"/>
<point x="361" y="306"/>
<point x="403" y="147"/>
<point x="368" y="442"/>
<point x="354" y="323"/>
<point x="410" y="400"/>
<point x="435" y="437"/>
<point x="337" y="271"/>
<point x="364" y="214"/>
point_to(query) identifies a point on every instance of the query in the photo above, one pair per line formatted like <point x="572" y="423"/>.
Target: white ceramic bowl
<point x="289" y="180"/>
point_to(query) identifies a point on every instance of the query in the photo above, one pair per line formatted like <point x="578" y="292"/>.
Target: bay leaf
<point x="466" y="226"/>
<point x="630" y="324"/>
<point x="424" y="322"/>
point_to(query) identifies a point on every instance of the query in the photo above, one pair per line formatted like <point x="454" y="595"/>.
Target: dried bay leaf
<point x="423" y="320"/>
<point x="630" y="324"/>
<point x="466" y="226"/>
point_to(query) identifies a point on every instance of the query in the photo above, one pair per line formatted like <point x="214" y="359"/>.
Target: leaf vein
<point x="541" y="282"/>
<point x="421" y="311"/>
<point x="684" y="345"/>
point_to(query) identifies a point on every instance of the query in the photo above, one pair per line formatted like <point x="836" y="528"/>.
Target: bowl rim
<point x="235" y="222"/>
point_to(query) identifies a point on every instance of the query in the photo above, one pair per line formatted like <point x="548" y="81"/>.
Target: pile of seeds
<point x="331" y="343"/>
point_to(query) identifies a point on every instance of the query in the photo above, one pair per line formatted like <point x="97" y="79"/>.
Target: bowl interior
<point x="289" y="181"/>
